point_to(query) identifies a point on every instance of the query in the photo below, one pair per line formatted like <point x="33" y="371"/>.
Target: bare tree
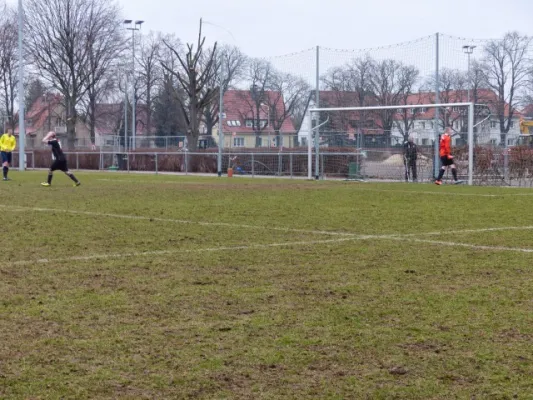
<point x="452" y="89"/>
<point x="193" y="76"/>
<point x="150" y="71"/>
<point x="8" y="63"/>
<point x="105" y="42"/>
<point x="168" y="119"/>
<point x="61" y="38"/>
<point x="505" y="70"/>
<point x="35" y="89"/>
<point x="351" y="85"/>
<point x="391" y="81"/>
<point x="229" y="66"/>
<point x="405" y="119"/>
<point x="260" y="76"/>
<point x="288" y="93"/>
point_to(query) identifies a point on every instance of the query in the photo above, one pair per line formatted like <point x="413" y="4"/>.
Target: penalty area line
<point x="177" y="221"/>
<point x="181" y="251"/>
<point x="266" y="246"/>
<point x="465" y="245"/>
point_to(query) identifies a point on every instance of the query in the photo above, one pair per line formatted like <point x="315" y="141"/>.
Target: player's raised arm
<point x="49" y="135"/>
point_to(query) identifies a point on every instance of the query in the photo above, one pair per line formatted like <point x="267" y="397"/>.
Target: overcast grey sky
<point x="268" y="28"/>
<point x="264" y="28"/>
<point x="275" y="27"/>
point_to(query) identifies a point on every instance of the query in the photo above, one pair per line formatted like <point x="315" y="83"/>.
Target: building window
<point x="238" y="142"/>
<point x="509" y="142"/>
<point x="493" y="124"/>
<point x="249" y="123"/>
<point x="423" y="125"/>
<point x="424" y="142"/>
<point x="493" y="142"/>
<point x="511" y="124"/>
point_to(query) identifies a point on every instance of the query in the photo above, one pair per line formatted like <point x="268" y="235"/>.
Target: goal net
<point x="370" y="142"/>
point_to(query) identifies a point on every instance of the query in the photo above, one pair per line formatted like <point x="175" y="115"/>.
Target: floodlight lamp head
<point x="127" y="21"/>
<point x="468" y="49"/>
<point x="139" y="23"/>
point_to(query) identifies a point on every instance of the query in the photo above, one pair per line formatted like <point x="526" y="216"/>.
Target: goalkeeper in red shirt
<point x="446" y="157"/>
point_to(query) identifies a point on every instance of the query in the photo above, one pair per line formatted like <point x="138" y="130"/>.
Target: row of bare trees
<point x="80" y="50"/>
<point x="502" y="80"/>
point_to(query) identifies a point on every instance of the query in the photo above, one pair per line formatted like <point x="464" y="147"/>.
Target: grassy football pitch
<point x="166" y="287"/>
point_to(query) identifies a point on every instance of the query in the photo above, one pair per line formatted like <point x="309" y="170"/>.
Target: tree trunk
<point x="71" y="125"/>
<point x="92" y="119"/>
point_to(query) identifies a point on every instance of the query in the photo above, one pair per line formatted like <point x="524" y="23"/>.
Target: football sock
<point x="454" y="173"/>
<point x="71" y="176"/>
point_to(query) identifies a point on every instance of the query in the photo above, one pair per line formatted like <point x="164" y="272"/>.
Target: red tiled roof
<point x="39" y="112"/>
<point x="239" y="106"/>
<point x="341" y="121"/>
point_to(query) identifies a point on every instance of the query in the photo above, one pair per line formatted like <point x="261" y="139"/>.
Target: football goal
<point x="370" y="141"/>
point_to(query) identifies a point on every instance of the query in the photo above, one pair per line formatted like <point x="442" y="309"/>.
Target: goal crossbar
<point x="398" y="107"/>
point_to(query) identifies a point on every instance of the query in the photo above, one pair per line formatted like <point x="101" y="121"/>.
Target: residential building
<point x="249" y="122"/>
<point x="47" y="114"/>
<point x="419" y="122"/>
<point x="342" y="128"/>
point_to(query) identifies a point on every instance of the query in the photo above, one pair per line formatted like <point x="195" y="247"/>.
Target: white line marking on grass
<point x="458" y="231"/>
<point x="458" y="244"/>
<point x="281" y="229"/>
<point x="181" y="251"/>
<point x="265" y="246"/>
<point x="178" y="221"/>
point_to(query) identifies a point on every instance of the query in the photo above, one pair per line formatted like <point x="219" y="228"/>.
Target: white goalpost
<point x="314" y="131"/>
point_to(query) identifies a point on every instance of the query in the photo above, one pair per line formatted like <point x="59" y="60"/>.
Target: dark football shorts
<point x="6" y="157"/>
<point x="446" y="161"/>
<point x="60" y="165"/>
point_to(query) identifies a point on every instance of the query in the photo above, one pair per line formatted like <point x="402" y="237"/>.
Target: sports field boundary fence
<point x="366" y="164"/>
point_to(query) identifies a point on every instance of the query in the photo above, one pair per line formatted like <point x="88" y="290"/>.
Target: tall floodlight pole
<point x="220" y="116"/>
<point x="317" y="104"/>
<point x="437" y="101"/>
<point x="125" y="111"/>
<point x="22" y="130"/>
<point x="133" y="26"/>
<point x="468" y="50"/>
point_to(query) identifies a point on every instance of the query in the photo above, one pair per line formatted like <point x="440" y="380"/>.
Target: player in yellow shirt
<point x="7" y="145"/>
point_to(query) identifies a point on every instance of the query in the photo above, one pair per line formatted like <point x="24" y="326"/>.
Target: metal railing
<point x="492" y="165"/>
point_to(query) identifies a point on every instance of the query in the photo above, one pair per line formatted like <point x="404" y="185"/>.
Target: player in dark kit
<point x="59" y="160"/>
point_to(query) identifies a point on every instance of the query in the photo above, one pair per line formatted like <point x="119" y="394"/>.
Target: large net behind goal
<point x="370" y="142"/>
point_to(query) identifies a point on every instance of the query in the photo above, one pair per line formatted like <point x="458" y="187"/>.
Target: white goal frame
<point x="470" y="106"/>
